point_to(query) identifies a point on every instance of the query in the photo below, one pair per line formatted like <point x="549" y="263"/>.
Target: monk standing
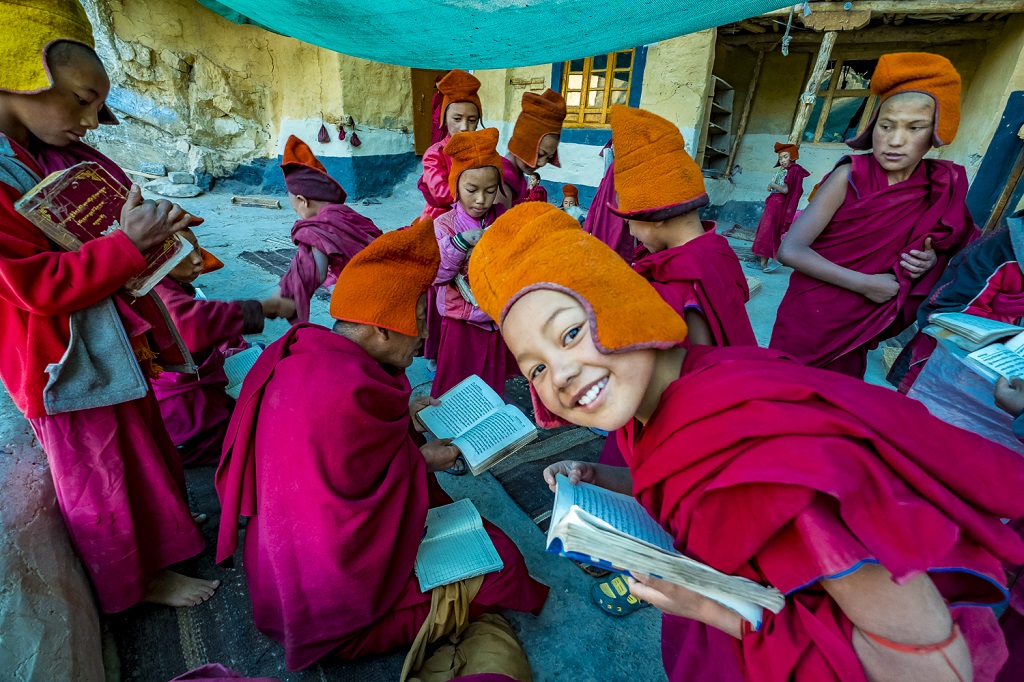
<point x="784" y="192"/>
<point x="534" y="143"/>
<point x="78" y="350"/>
<point x="321" y="455"/>
<point x="882" y="226"/>
<point x="328" y="233"/>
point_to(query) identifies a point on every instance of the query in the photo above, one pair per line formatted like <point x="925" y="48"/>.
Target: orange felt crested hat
<point x="381" y="285"/>
<point x="570" y="191"/>
<point x="538" y="246"/>
<point x="655" y="177"/>
<point x="542" y="115"/>
<point x="210" y="262"/>
<point x="794" y="151"/>
<point x="476" y="149"/>
<point x="305" y="176"/>
<point x="459" y="86"/>
<point x="930" y="74"/>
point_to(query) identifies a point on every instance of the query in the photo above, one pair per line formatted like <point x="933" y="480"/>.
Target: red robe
<point x="823" y="325"/>
<point x="810" y="475"/>
<point x="118" y="479"/>
<point x="195" y="407"/>
<point x="515" y="180"/>
<point x="338" y="232"/>
<point x="320" y="457"/>
<point x="537" y="193"/>
<point x="605" y="225"/>
<point x="779" y="212"/>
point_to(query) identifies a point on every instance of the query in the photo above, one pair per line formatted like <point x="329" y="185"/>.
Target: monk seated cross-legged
<point x="322" y="456"/>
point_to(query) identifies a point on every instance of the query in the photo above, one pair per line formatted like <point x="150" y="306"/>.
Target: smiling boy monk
<point x="882" y="226"/>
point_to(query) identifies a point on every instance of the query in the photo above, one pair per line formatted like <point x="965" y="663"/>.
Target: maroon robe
<point x="320" y="457"/>
<point x="824" y="325"/>
<point x="810" y="475"/>
<point x="338" y="232"/>
<point x="605" y="225"/>
<point x="195" y="407"/>
<point x="779" y="212"/>
<point x="515" y="180"/>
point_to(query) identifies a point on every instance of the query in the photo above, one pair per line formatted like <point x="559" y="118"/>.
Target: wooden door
<point x="423" y="90"/>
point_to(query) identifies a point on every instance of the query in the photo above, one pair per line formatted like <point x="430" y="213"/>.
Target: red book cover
<point x="84" y="202"/>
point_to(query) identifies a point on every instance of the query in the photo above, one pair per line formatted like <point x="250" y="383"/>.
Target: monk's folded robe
<point x="810" y="475"/>
<point x="822" y="324"/>
<point x="321" y="457"/>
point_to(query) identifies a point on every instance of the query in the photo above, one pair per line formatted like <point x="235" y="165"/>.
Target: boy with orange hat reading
<point x="337" y="501"/>
<point x="328" y="233"/>
<point x="78" y="349"/>
<point x="882" y="226"/>
<point x="534" y="143"/>
<point x="194" y="405"/>
<point x="784" y="192"/>
<point x="848" y="498"/>
<point x="461" y="112"/>
<point x="469" y="341"/>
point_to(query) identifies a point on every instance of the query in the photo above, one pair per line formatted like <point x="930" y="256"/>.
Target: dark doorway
<point x="423" y="90"/>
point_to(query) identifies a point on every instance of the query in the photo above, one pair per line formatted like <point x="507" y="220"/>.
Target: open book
<point x="480" y="424"/>
<point x="84" y="202"/>
<point x="455" y="546"/>
<point x="999" y="360"/>
<point x="969" y="332"/>
<point x="611" y="530"/>
<point x="237" y="366"/>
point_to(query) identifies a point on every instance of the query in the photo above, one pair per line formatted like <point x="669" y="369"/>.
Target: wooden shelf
<point x="715" y="129"/>
<point x="717" y="108"/>
<point x="711" y="151"/>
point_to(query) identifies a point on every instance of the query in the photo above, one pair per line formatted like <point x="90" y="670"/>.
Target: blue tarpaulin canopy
<point x="485" y="34"/>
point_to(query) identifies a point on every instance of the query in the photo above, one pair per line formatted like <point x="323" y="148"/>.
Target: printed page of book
<point x="461" y="408"/>
<point x="237" y="366"/>
<point x="974" y="327"/>
<point x="998" y="360"/>
<point x="455" y="546"/>
<point x="498" y="430"/>
<point x="1016" y="344"/>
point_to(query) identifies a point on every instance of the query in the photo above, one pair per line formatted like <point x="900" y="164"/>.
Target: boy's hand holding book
<point x="149" y="223"/>
<point x="1009" y="396"/>
<point x="417" y="404"/>
<point x="440" y="455"/>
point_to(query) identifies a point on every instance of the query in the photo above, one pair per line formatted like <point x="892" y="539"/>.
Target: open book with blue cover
<point x="610" y="530"/>
<point x="975" y="335"/>
<point x="237" y="366"/>
<point x="455" y="546"/>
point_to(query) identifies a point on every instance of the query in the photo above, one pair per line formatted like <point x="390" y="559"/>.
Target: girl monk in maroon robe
<point x="882" y="226"/>
<point x="327" y="234"/>
<point x="533" y="145"/>
<point x="849" y="498"/>
<point x="784" y="192"/>
<point x="118" y="478"/>
<point x="323" y="458"/>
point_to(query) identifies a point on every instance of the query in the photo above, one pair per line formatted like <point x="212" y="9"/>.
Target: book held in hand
<point x="480" y="424"/>
<point x="84" y="202"/>
<point x="237" y="366"/>
<point x="613" y="531"/>
<point x="969" y="332"/>
<point x="455" y="546"/>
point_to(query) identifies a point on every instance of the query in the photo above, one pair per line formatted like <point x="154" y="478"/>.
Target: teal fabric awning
<point x="485" y="34"/>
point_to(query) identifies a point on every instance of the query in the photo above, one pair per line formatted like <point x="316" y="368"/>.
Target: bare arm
<point x="698" y="330"/>
<point x="781" y="189"/>
<point x="796" y="251"/>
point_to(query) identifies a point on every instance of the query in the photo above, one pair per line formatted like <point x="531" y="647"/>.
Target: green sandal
<point x="613" y="597"/>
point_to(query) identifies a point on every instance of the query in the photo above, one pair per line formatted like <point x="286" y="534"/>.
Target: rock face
<point x="179" y="178"/>
<point x="152" y="168"/>
<point x="48" y="617"/>
<point x="168" y="188"/>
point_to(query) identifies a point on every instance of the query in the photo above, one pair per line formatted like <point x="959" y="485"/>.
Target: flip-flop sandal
<point x="460" y="468"/>
<point x="772" y="266"/>
<point x="613" y="597"/>
<point x="200" y="518"/>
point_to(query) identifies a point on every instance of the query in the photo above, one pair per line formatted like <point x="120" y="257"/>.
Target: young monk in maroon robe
<point x="470" y="343"/>
<point x="534" y="143"/>
<point x="883" y="225"/>
<point x="321" y="455"/>
<point x="118" y="478"/>
<point x="610" y="228"/>
<point x="328" y="233"/>
<point x="535" y="190"/>
<point x="849" y="498"/>
<point x="194" y="405"/>
<point x="784" y="192"/>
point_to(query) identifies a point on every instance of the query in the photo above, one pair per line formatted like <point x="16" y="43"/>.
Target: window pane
<point x="856" y="74"/>
<point x="827" y="78"/>
<point x="618" y="97"/>
<point x="600" y="63"/>
<point x="576" y="65"/>
<point x="812" y="122"/>
<point x="575" y="81"/>
<point x="597" y="82"/>
<point x="595" y="98"/>
<point x="621" y="79"/>
<point x="573" y="99"/>
<point x="623" y="60"/>
<point x="843" y="119"/>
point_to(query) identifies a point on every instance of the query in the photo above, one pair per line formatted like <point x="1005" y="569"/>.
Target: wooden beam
<point x="910" y="7"/>
<point x="803" y="111"/>
<point x="837" y="21"/>
<point x="937" y="34"/>
<point x="748" y="104"/>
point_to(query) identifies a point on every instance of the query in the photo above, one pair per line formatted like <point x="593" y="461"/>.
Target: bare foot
<point x="174" y="589"/>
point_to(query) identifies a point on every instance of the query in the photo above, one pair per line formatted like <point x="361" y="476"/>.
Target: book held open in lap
<point x="237" y="366"/>
<point x="613" y="531"/>
<point x="84" y="202"/>
<point x="480" y="424"/>
<point x="455" y="546"/>
<point x="975" y="334"/>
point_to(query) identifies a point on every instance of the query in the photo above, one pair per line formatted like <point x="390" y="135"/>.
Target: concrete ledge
<point x="49" y="621"/>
